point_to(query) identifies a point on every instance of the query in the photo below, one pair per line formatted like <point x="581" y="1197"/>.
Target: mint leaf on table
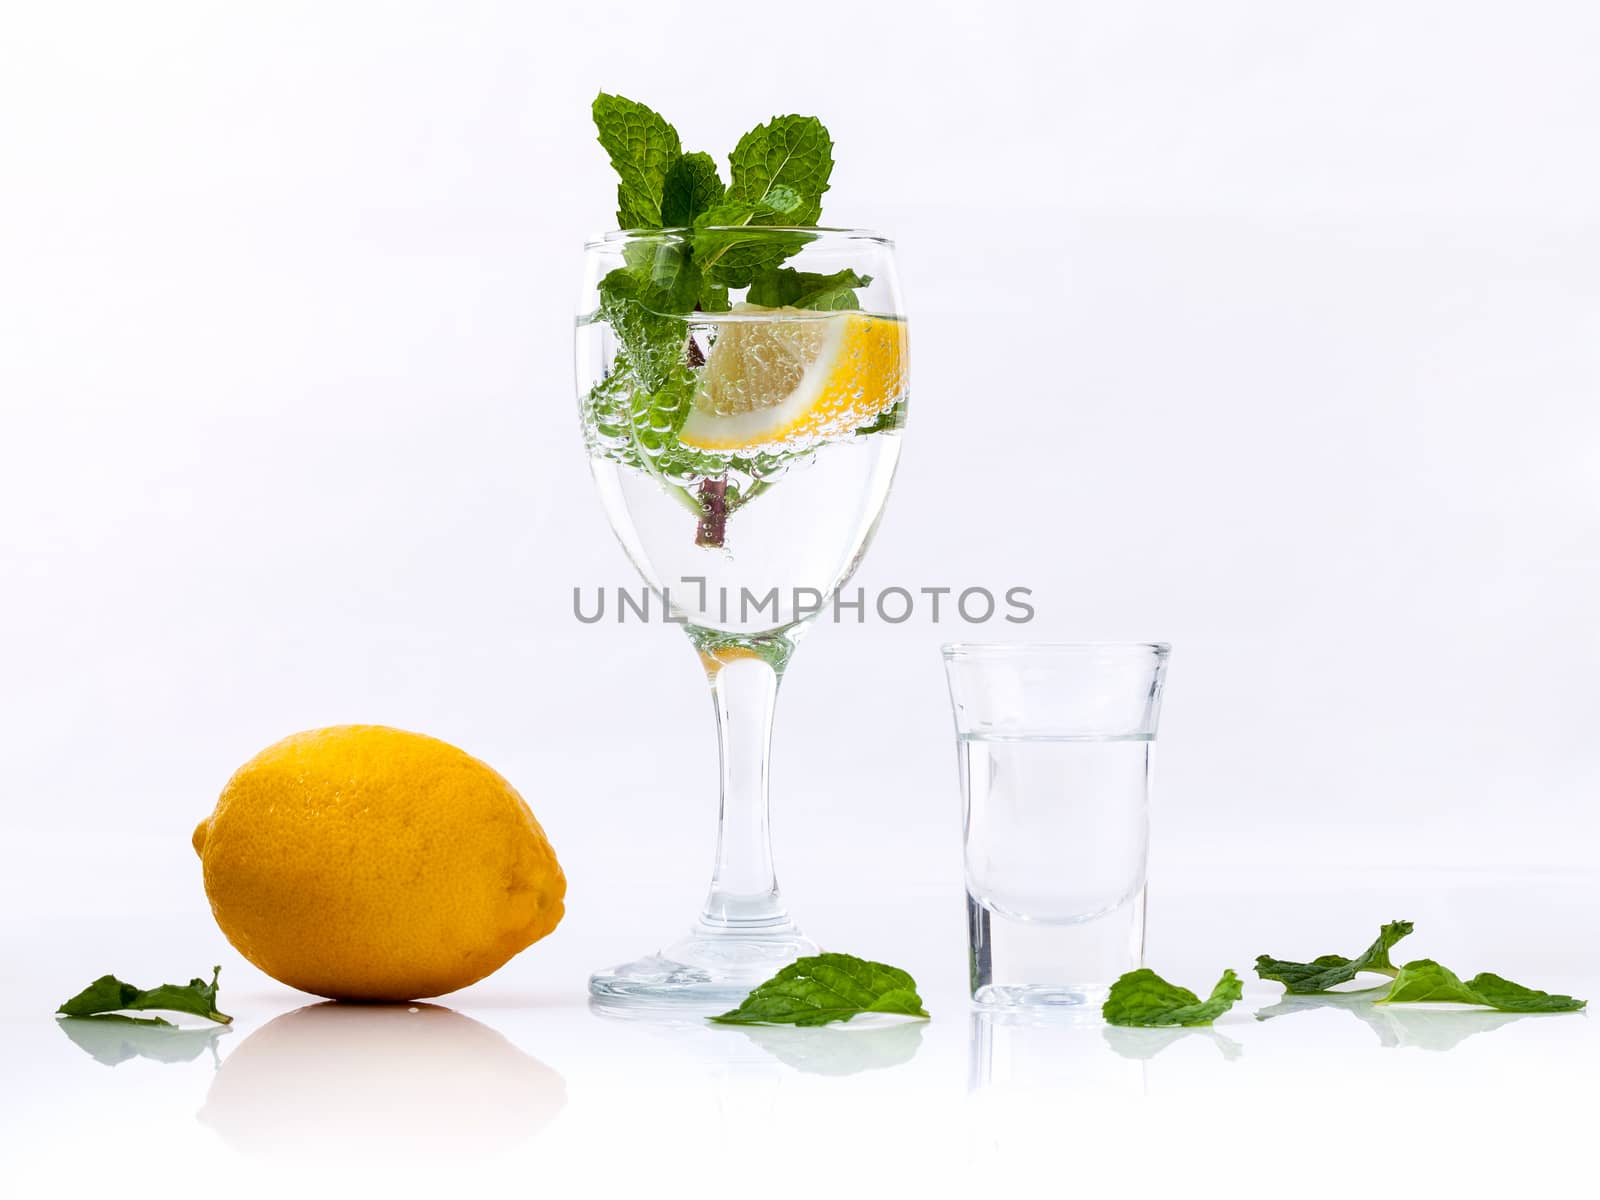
<point x="692" y="185"/>
<point x="1144" y="998"/>
<point x="108" y="994"/>
<point x="827" y="987"/>
<point x="1425" y="981"/>
<point x="643" y="148"/>
<point x="1322" y="973"/>
<point x="786" y="287"/>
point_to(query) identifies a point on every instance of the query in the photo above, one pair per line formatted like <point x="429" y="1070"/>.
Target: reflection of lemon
<point x="374" y="1083"/>
<point x="366" y="863"/>
<point x="791" y="380"/>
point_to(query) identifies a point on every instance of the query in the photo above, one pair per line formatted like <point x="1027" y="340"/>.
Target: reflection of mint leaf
<point x="1320" y="974"/>
<point x="827" y="987"/>
<point x="112" y="1038"/>
<point x="1144" y="998"/>
<point x="1424" y="981"/>
<point x="806" y="289"/>
<point x="643" y="148"/>
<point x="791" y="153"/>
<point x="692" y="185"/>
<point x="108" y="994"/>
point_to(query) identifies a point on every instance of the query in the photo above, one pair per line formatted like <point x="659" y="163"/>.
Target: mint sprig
<point x="1418" y="982"/>
<point x="1329" y="970"/>
<point x="108" y="995"/>
<point x="827" y="987"/>
<point x="778" y="174"/>
<point x="1143" y="998"/>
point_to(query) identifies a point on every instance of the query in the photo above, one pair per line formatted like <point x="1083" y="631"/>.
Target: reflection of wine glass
<point x="743" y="450"/>
<point x="358" y="1080"/>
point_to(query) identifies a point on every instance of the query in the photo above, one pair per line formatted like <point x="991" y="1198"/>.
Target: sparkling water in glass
<point x="1054" y="753"/>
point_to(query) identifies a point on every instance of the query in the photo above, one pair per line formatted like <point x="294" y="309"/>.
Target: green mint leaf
<point x="734" y="258"/>
<point x="782" y="167"/>
<point x="893" y="417"/>
<point x="665" y="272"/>
<point x="1426" y="981"/>
<point x="638" y="427"/>
<point x="658" y="415"/>
<point x="608" y="415"/>
<point x="782" y="201"/>
<point x="714" y="297"/>
<point x="1320" y="974"/>
<point x="1513" y="997"/>
<point x="645" y="317"/>
<point x="643" y="148"/>
<point x="805" y="289"/>
<point x="827" y="987"/>
<point x="1144" y="998"/>
<point x="692" y="186"/>
<point x="779" y="172"/>
<point x="108" y="994"/>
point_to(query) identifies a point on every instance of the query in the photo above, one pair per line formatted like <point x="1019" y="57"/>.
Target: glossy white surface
<point x="516" y="1083"/>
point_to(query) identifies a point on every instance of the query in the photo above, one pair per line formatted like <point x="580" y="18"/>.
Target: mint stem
<point x="713" y="513"/>
<point x="713" y="525"/>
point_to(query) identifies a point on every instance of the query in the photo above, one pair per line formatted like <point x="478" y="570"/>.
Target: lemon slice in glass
<point x="783" y="379"/>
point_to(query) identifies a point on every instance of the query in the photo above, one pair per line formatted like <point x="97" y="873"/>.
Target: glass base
<point x="712" y="968"/>
<point x="1062" y="965"/>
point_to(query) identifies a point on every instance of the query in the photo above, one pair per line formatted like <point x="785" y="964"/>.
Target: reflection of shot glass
<point x="1024" y="1050"/>
<point x="1054" y="744"/>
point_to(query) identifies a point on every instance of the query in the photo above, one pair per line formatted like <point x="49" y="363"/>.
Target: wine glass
<point x="743" y="443"/>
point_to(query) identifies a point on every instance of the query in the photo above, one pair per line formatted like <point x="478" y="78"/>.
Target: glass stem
<point x="744" y="689"/>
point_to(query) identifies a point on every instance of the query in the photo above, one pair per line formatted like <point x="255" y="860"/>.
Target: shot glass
<point x="1053" y="742"/>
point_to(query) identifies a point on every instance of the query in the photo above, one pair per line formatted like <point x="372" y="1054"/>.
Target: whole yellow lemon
<point x="361" y="862"/>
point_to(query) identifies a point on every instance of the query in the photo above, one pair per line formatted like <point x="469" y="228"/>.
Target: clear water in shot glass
<point x="1058" y="833"/>
<point x="1054" y="747"/>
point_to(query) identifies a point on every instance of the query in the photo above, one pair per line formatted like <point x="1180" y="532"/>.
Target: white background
<point x="1272" y="330"/>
